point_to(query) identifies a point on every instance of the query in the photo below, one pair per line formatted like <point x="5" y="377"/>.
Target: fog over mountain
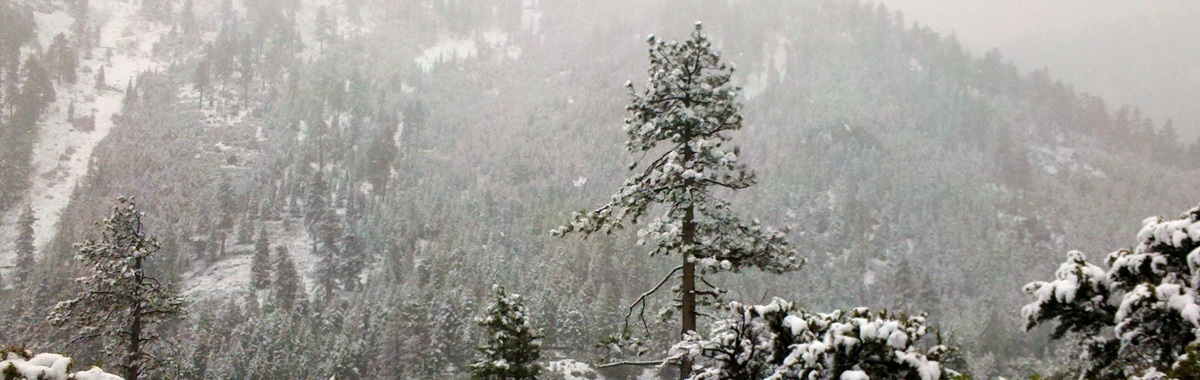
<point x="1145" y="54"/>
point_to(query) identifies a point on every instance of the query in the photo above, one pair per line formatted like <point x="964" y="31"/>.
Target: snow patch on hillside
<point x="446" y="49"/>
<point x="220" y="280"/>
<point x="774" y="55"/>
<point x="497" y="39"/>
<point x="229" y="276"/>
<point x="779" y="58"/>
<point x="531" y="16"/>
<point x="50" y="25"/>
<point x="572" y="370"/>
<point x="62" y="153"/>
<point x="1056" y="159"/>
<point x="450" y="48"/>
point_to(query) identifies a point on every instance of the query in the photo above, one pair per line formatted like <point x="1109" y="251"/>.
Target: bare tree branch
<point x="642" y="363"/>
<point x="642" y="300"/>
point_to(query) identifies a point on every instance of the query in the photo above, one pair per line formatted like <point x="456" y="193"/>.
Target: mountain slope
<point x="450" y="136"/>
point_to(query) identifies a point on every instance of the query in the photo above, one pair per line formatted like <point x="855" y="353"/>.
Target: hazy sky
<point x="1142" y="53"/>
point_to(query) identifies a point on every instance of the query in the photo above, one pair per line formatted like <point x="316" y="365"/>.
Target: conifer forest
<point x="600" y="190"/>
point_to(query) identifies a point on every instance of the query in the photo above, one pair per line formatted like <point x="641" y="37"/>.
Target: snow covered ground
<point x="62" y="154"/>
<point x="50" y="25"/>
<point x="572" y="370"/>
<point x="447" y="49"/>
<point x="1055" y="159"/>
<point x="229" y="277"/>
<point x="774" y="66"/>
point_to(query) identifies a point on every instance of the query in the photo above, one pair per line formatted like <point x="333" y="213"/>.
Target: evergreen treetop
<point x="688" y="107"/>
<point x="512" y="345"/>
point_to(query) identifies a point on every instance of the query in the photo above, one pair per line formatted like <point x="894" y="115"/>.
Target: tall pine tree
<point x="325" y="229"/>
<point x="260" y="264"/>
<point x="688" y="108"/>
<point x="228" y="206"/>
<point x="287" y="286"/>
<point x="120" y="304"/>
<point x="25" y="250"/>
<point x="202" y="80"/>
<point x="352" y="260"/>
<point x="101" y="81"/>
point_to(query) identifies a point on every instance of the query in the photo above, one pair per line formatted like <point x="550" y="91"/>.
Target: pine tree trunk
<point x="688" y="287"/>
<point x="132" y="370"/>
<point x="689" y="292"/>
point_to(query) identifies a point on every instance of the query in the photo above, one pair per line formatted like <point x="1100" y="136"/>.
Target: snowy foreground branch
<point x="1138" y="317"/>
<point x="779" y="341"/>
<point x="24" y="365"/>
<point x="638" y="363"/>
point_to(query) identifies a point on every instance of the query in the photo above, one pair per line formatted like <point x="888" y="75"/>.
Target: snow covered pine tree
<point x="120" y="304"/>
<point x="1138" y="318"/>
<point x="260" y="263"/>
<point x="26" y="252"/>
<point x="778" y="341"/>
<point x="513" y="346"/>
<point x="689" y="106"/>
<point x="287" y="288"/>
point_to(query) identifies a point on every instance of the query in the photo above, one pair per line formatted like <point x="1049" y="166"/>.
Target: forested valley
<point x="412" y="189"/>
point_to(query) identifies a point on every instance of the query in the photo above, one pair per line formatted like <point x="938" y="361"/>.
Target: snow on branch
<point x="1138" y="317"/>
<point x="779" y="341"/>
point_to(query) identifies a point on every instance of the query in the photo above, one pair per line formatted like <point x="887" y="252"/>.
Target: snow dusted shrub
<point x="1138" y="318"/>
<point x="779" y="341"/>
<point x="21" y="364"/>
<point x="513" y="346"/>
